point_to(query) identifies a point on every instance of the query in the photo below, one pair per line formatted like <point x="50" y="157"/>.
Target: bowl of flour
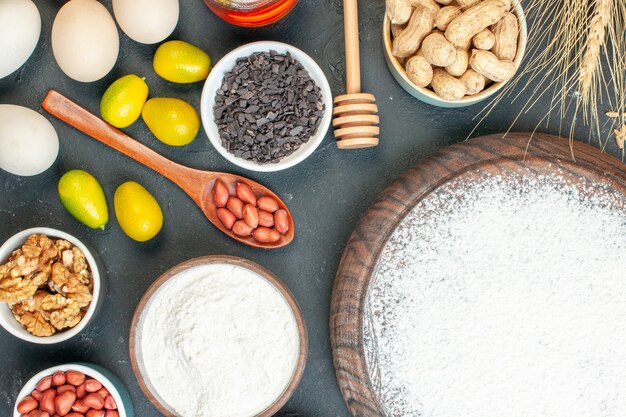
<point x="219" y="336"/>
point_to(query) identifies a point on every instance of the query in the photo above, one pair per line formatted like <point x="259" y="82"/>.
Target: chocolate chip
<point x="267" y="107"/>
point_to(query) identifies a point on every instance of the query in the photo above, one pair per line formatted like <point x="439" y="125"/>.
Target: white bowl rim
<point x="214" y="81"/>
<point x="13" y="243"/>
<point x="30" y="385"/>
<point x="476" y="98"/>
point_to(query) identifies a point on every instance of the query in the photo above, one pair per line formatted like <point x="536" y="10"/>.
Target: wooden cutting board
<point x="544" y="154"/>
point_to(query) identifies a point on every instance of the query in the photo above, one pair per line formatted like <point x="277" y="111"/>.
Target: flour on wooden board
<point x="503" y="297"/>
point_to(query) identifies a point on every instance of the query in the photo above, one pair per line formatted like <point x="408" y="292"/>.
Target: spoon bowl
<point x="196" y="183"/>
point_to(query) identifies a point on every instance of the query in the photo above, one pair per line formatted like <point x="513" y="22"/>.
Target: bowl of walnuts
<point x="454" y="53"/>
<point x="50" y="286"/>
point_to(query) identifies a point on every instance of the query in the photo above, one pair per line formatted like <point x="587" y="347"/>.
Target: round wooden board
<point x="490" y="154"/>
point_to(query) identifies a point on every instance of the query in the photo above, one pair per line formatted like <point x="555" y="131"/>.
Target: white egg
<point x="20" y="27"/>
<point x="85" y="41"/>
<point x="28" y="142"/>
<point x="146" y="21"/>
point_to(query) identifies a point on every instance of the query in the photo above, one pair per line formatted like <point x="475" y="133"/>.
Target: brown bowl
<point x="243" y="263"/>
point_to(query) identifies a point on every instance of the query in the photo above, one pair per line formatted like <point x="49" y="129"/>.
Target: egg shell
<point x="28" y="142"/>
<point x="20" y="27"/>
<point x="85" y="41"/>
<point x="147" y="21"/>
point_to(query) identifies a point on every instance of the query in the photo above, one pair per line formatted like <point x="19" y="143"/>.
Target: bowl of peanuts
<point x="51" y="287"/>
<point x="454" y="53"/>
<point x="74" y="390"/>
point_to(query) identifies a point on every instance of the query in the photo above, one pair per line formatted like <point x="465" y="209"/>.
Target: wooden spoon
<point x="355" y="114"/>
<point x="198" y="184"/>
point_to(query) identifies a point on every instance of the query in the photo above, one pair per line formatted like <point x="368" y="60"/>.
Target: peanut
<point x="95" y="413"/>
<point x="80" y="391"/>
<point x="474" y="82"/>
<point x="226" y="217"/>
<point x="399" y="11"/>
<point x="485" y="39"/>
<point x="466" y="4"/>
<point x="36" y="394"/>
<point x="75" y="415"/>
<point x="109" y="403"/>
<point x="461" y="30"/>
<point x="91" y="385"/>
<point x="103" y="392"/>
<point x="419" y="71"/>
<point x="437" y="50"/>
<point x="460" y="63"/>
<point x="235" y="206"/>
<point x="58" y="378"/>
<point x="75" y="378"/>
<point x="94" y="401"/>
<point x="266" y="219"/>
<point x="410" y="39"/>
<point x="446" y="86"/>
<point x="47" y="401"/>
<point x="241" y="229"/>
<point x="266" y="235"/>
<point x="27" y="405"/>
<point x="396" y="30"/>
<point x="66" y="387"/>
<point x="220" y="197"/>
<point x="444" y="2"/>
<point x="251" y="216"/>
<point x="445" y="15"/>
<point x="487" y="64"/>
<point x="44" y="384"/>
<point x="245" y="193"/>
<point x="506" y="33"/>
<point x="79" y="407"/>
<point x="431" y="5"/>
<point x="281" y="221"/>
<point x="63" y="402"/>
<point x="267" y="204"/>
<point x="112" y="413"/>
<point x="38" y="413"/>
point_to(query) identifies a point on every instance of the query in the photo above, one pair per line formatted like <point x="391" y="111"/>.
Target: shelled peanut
<point x="69" y="394"/>
<point x="246" y="215"/>
<point x="455" y="48"/>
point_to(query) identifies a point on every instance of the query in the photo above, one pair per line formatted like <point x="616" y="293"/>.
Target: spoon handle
<point x="71" y="113"/>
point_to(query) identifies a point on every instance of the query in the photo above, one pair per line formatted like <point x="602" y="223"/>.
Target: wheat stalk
<point x="576" y="54"/>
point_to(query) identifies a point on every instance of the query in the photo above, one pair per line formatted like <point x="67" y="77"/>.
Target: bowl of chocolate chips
<point x="266" y="106"/>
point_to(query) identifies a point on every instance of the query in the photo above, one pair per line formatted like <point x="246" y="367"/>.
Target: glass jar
<point x="251" y="13"/>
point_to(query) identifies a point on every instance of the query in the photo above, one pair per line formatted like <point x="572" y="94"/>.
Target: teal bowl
<point x="109" y="381"/>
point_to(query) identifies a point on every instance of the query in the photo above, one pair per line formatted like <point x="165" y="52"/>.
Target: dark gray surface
<point x="327" y="193"/>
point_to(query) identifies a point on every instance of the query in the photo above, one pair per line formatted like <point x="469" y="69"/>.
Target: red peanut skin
<point x="251" y="216"/>
<point x="63" y="403"/>
<point x="266" y="235"/>
<point x="266" y="219"/>
<point x="281" y="221"/>
<point x="112" y="413"/>
<point x="58" y="379"/>
<point x="95" y="413"/>
<point x="44" y="384"/>
<point x="27" y="405"/>
<point x="241" y="228"/>
<point x="268" y="204"/>
<point x="47" y="401"/>
<point x="36" y="395"/>
<point x="79" y="407"/>
<point x="103" y="392"/>
<point x="75" y="378"/>
<point x="94" y="401"/>
<point x="80" y="391"/>
<point x="245" y="193"/>
<point x="109" y="403"/>
<point x="220" y="193"/>
<point x="75" y="415"/>
<point x="91" y="385"/>
<point x="66" y="387"/>
<point x="235" y="205"/>
<point x="227" y="218"/>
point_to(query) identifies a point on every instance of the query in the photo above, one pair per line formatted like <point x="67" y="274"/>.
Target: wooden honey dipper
<point x="355" y="114"/>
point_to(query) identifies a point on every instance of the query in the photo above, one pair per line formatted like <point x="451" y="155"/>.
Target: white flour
<point x="219" y="341"/>
<point x="503" y="298"/>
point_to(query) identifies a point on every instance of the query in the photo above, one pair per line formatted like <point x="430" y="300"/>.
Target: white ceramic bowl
<point x="214" y="83"/>
<point x="106" y="378"/>
<point x="427" y="95"/>
<point x="6" y="317"/>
